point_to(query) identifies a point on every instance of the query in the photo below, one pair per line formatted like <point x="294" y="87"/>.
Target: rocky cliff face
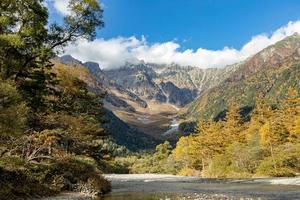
<point x="138" y="79"/>
<point x="174" y="84"/>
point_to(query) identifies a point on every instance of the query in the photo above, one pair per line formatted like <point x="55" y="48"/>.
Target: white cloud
<point x="61" y="6"/>
<point x="108" y="53"/>
<point x="116" y="52"/>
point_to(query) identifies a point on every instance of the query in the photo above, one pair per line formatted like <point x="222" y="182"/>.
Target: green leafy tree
<point x="26" y="44"/>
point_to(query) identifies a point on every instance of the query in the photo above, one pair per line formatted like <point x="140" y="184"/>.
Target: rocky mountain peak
<point x="93" y="67"/>
<point x="69" y="60"/>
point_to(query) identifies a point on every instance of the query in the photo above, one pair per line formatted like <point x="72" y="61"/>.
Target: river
<point x="173" y="128"/>
<point x="168" y="187"/>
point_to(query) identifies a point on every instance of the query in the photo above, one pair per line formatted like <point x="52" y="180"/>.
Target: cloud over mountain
<point x="115" y="52"/>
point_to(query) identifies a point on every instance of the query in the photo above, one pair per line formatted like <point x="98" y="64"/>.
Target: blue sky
<point x="210" y="24"/>
<point x="203" y="33"/>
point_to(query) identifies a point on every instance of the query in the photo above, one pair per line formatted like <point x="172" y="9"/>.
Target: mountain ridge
<point x="269" y="72"/>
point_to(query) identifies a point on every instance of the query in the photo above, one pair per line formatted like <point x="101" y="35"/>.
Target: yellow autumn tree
<point x="268" y="144"/>
<point x="208" y="142"/>
<point x="232" y="128"/>
<point x="291" y="113"/>
<point x="182" y="151"/>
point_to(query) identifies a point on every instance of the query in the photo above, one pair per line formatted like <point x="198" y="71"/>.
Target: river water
<point x="173" y="128"/>
<point x="168" y="187"/>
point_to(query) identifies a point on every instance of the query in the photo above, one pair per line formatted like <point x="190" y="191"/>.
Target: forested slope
<point x="270" y="73"/>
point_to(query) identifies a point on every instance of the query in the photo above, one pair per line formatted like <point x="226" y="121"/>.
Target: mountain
<point x="122" y="133"/>
<point x="174" y="84"/>
<point x="269" y="73"/>
<point x="68" y="60"/>
<point x="138" y="79"/>
<point x="143" y="82"/>
<point x="148" y="96"/>
<point x="116" y="95"/>
<point x="144" y="99"/>
<point x="166" y="89"/>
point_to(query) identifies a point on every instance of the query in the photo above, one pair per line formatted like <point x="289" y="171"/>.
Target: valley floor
<point x="155" y="120"/>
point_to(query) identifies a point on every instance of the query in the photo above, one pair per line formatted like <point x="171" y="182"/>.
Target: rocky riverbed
<point x="169" y="187"/>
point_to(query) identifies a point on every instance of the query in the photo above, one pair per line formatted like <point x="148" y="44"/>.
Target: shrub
<point x="286" y="162"/>
<point x="18" y="181"/>
<point x="75" y="172"/>
<point x="189" y="172"/>
<point x="23" y="179"/>
<point x="219" y="167"/>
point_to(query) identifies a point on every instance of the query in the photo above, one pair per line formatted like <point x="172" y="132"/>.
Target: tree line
<point x="266" y="145"/>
